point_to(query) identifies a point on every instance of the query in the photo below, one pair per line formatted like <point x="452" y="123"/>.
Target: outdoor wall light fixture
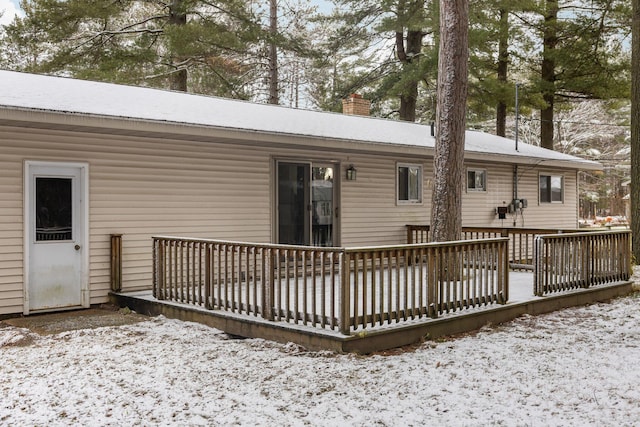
<point x="351" y="173"/>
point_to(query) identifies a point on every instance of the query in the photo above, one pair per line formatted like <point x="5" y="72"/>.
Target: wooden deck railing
<point x="521" y="240"/>
<point x="581" y="260"/>
<point x="245" y="277"/>
<point x="334" y="288"/>
<point x="398" y="283"/>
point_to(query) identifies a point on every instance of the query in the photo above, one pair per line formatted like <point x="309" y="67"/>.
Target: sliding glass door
<point x="306" y="210"/>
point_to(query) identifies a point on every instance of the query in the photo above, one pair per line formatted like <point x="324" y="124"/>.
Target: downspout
<point x="515" y="167"/>
<point x="515" y="194"/>
<point x="517" y="115"/>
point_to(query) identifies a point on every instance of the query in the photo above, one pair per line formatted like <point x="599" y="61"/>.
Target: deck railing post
<point x="158" y="289"/>
<point x="432" y="283"/>
<point x="585" y="265"/>
<point x="345" y="293"/>
<point x="154" y="267"/>
<point x="116" y="262"/>
<point x="208" y="303"/>
<point x="537" y="266"/>
<point x="268" y="284"/>
<point x="503" y="271"/>
<point x="626" y="245"/>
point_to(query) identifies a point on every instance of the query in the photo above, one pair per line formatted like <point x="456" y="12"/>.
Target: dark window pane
<point x="545" y="193"/>
<point x="403" y="183"/>
<point x="471" y="179"/>
<point x="53" y="209"/>
<point x="293" y="197"/>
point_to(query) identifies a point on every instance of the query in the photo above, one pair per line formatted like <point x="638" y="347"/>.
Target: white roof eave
<point x="576" y="163"/>
<point x="71" y="103"/>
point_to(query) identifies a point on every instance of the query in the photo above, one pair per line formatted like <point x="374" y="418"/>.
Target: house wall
<point x="370" y="213"/>
<point x="140" y="187"/>
<point x="137" y="187"/>
<point x="479" y="206"/>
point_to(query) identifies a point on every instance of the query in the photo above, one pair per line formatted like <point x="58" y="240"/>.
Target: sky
<point x="9" y="8"/>
<point x="573" y="367"/>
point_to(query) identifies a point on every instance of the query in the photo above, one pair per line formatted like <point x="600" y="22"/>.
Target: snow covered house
<point x="81" y="161"/>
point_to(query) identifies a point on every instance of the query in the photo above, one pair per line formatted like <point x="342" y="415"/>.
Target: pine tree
<point x="490" y="51"/>
<point x="171" y="44"/>
<point x="397" y="57"/>
<point x="581" y="55"/>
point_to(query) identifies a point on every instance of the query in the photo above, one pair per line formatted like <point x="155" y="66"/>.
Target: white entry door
<point x="56" y="236"/>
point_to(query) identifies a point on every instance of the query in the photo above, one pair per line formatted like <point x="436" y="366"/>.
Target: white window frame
<point x="484" y="181"/>
<point x="550" y="177"/>
<point x="410" y="201"/>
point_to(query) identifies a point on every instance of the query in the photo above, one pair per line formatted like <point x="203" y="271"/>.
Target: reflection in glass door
<point x="306" y="213"/>
<point x="322" y="206"/>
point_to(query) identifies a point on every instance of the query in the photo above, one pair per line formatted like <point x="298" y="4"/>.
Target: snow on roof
<point x="65" y="95"/>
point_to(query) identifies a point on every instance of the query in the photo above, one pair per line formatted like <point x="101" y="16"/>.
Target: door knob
<point x="77" y="247"/>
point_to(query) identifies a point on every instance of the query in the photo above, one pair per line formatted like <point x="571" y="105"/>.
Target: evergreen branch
<point x="146" y="20"/>
<point x="122" y="32"/>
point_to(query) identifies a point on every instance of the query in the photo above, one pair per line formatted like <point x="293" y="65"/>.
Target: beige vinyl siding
<point x="550" y="215"/>
<point x="370" y="213"/>
<point x="137" y="187"/>
<point x="141" y="187"/>
<point x="479" y="206"/>
<point x="11" y="252"/>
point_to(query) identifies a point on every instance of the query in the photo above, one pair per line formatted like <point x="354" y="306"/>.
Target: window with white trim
<point x="409" y="179"/>
<point x="551" y="188"/>
<point x="476" y="180"/>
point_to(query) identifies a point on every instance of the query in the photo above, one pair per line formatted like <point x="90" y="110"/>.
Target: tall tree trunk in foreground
<point x="635" y="129"/>
<point x="548" y="73"/>
<point x="446" y="207"/>
<point x="273" y="52"/>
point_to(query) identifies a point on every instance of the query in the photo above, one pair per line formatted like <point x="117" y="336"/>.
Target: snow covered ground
<point x="573" y="367"/>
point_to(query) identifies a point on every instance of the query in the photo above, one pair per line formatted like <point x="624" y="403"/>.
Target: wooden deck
<point x="373" y="298"/>
<point x="521" y="301"/>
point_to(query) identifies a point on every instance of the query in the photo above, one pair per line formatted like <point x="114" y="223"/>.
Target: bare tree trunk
<point x="409" y="97"/>
<point x="635" y="129"/>
<point x="273" y="52"/>
<point x="548" y="73"/>
<point x="503" y="63"/>
<point x="446" y="207"/>
<point x="408" y="102"/>
<point x="178" y="79"/>
<point x="409" y="51"/>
